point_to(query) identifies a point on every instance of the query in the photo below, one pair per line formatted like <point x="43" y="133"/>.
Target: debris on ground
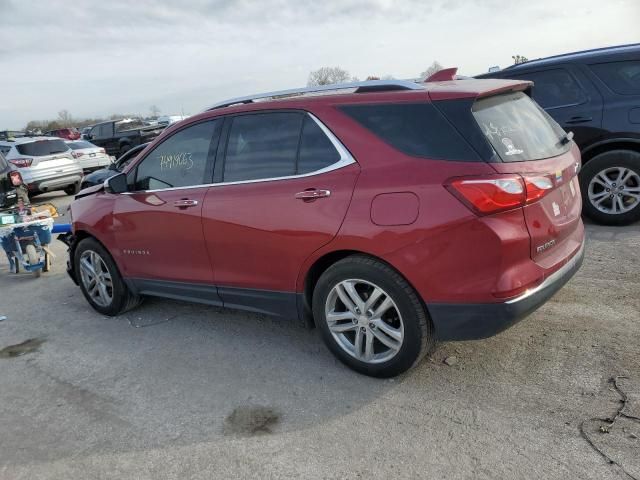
<point x="3" y="318"/>
<point x="451" y="361"/>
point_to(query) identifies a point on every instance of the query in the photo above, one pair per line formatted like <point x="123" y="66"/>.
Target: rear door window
<point x="417" y="129"/>
<point x="184" y="159"/>
<point x="518" y="129"/>
<point x="621" y="77"/>
<point x="263" y="145"/>
<point x="555" y="88"/>
<point x="316" y="150"/>
<point x="41" y="148"/>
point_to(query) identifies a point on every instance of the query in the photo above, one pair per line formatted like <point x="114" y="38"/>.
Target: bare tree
<point x="328" y="76"/>
<point x="519" y="59"/>
<point x="433" y="68"/>
<point x="155" y="111"/>
<point x="64" y="118"/>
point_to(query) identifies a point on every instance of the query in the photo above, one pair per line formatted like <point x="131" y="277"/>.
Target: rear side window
<point x="3" y="161"/>
<point x="182" y="160"/>
<point x="555" y="88"/>
<point x="417" y="129"/>
<point x="80" y="145"/>
<point x="262" y="145"/>
<point x="316" y="150"/>
<point x="41" y="148"/>
<point x="518" y="129"/>
<point x="621" y="77"/>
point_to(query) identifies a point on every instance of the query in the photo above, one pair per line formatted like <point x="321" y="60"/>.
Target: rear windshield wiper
<point x="567" y="138"/>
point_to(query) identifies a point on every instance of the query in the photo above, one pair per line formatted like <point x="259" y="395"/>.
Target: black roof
<point x="585" y="56"/>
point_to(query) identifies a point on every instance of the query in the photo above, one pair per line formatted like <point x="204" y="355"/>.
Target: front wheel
<point x="610" y="184"/>
<point x="100" y="280"/>
<point x="371" y="318"/>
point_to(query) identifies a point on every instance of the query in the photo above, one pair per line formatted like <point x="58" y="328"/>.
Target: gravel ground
<point x="174" y="390"/>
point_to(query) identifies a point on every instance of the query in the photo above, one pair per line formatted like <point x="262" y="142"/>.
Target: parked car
<point x="117" y="137"/>
<point x="167" y="120"/>
<point x="99" y="176"/>
<point x="89" y="156"/>
<point x="45" y="163"/>
<point x="9" y="134"/>
<point x="66" y="133"/>
<point x="595" y="94"/>
<point x="85" y="131"/>
<point x="389" y="216"/>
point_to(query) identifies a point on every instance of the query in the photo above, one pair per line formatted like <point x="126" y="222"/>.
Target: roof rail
<point x="357" y="87"/>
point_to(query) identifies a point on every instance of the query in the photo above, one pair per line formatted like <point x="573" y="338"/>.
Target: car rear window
<point x="621" y="77"/>
<point x="417" y="129"/>
<point x="518" y="129"/>
<point x="41" y="148"/>
<point x="80" y="145"/>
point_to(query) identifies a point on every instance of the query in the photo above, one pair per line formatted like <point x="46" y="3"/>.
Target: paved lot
<point x="174" y="390"/>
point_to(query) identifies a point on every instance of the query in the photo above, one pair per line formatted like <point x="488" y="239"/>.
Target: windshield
<point x="518" y="129"/>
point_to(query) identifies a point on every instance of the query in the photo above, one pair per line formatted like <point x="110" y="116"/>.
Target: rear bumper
<point x="482" y="320"/>
<point x="56" y="183"/>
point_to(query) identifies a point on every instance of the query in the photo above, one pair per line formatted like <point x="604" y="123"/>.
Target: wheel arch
<point x="312" y="274"/>
<point x="595" y="149"/>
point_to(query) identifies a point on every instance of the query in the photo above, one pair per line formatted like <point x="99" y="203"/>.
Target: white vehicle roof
<point x="21" y="140"/>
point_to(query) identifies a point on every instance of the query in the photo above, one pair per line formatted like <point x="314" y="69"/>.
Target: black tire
<point x="47" y="263"/>
<point x="122" y="298"/>
<point x="124" y="148"/>
<point x="418" y="337"/>
<point x="32" y="255"/>
<point x="612" y="159"/>
<point x="72" y="189"/>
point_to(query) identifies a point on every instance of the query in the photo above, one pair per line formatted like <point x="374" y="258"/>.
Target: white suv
<point x="45" y="163"/>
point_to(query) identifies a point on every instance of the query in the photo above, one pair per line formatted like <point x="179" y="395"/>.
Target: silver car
<point x="45" y="163"/>
<point x="89" y="156"/>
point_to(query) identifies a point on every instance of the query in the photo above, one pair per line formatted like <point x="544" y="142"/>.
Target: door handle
<point x="574" y="120"/>
<point x="185" y="203"/>
<point x="312" y="194"/>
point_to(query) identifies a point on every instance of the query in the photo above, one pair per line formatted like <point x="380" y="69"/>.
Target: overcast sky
<point x="102" y="57"/>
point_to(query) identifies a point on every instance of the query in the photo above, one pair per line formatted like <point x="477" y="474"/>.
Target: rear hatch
<point x="44" y="158"/>
<point x="530" y="144"/>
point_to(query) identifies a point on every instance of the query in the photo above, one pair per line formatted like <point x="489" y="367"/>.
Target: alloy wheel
<point x="364" y="320"/>
<point x="96" y="278"/>
<point x="615" y="190"/>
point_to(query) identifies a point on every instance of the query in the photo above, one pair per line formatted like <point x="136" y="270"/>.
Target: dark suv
<point x="595" y="94"/>
<point x="389" y="214"/>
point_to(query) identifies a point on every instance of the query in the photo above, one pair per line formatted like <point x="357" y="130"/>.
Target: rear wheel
<point x="610" y="184"/>
<point x="100" y="280"/>
<point x="32" y="255"/>
<point x="72" y="189"/>
<point x="47" y="262"/>
<point x="370" y="317"/>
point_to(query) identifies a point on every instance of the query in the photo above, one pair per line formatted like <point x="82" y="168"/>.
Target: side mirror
<point x="88" y="136"/>
<point x="116" y="184"/>
<point x="16" y="178"/>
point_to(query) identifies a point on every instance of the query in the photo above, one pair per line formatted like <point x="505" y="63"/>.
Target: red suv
<point x="390" y="214"/>
<point x="66" y="133"/>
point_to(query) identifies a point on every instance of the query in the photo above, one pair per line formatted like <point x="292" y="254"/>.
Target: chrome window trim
<point x="345" y="159"/>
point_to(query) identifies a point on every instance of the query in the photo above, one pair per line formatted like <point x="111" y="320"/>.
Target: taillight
<point x="496" y="193"/>
<point x="21" y="162"/>
<point x="488" y="195"/>
<point x="77" y="154"/>
<point x="537" y="186"/>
